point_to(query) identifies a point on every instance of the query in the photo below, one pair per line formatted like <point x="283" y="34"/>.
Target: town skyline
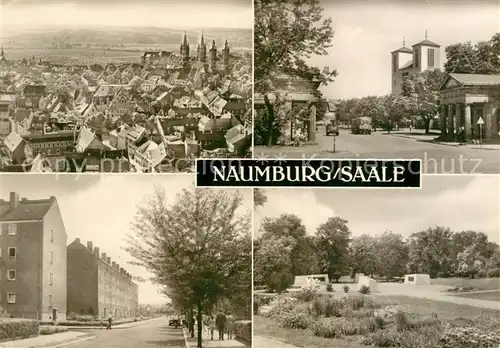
<point x="360" y="33"/>
<point x="112" y="207"/>
<point x="400" y="211"/>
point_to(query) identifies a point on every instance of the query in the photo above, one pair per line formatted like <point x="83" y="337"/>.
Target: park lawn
<point x="269" y="328"/>
<point x="447" y="312"/>
<point x="488" y="296"/>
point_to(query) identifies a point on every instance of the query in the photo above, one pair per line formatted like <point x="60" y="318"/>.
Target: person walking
<point x="211" y="326"/>
<point x="220" y="322"/>
<point x="229" y="325"/>
<point x="110" y="320"/>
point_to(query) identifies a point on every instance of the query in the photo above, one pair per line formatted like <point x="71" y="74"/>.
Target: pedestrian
<point x="229" y="325"/>
<point x="110" y="320"/>
<point x="220" y="322"/>
<point x="211" y="326"/>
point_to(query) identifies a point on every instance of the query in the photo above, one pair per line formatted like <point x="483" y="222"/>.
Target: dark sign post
<point x="334" y="138"/>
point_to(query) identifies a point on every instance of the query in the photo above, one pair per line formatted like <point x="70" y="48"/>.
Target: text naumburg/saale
<point x="309" y="174"/>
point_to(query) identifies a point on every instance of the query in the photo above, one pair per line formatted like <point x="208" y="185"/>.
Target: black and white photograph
<point x="124" y="86"/>
<point x="385" y="268"/>
<point x="379" y="79"/>
<point x="123" y="261"/>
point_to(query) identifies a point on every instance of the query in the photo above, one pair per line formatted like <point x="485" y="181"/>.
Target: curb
<point x="65" y="343"/>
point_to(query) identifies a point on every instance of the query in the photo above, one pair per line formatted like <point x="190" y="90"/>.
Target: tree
<point x="364" y="255"/>
<point x="272" y="266"/>
<point x="259" y="197"/>
<point x="392" y="255"/>
<point x="286" y="34"/>
<point x="430" y="252"/>
<point x="422" y="91"/>
<point x="198" y="247"/>
<point x="481" y="58"/>
<point x="332" y="241"/>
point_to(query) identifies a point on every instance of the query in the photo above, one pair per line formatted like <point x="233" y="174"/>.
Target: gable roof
<point x="466" y="80"/>
<point x="403" y="49"/>
<point x="26" y="209"/>
<point x="12" y="141"/>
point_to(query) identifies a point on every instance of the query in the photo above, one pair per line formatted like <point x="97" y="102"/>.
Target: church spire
<point x="202" y="39"/>
<point x="426" y="34"/>
<point x="184" y="41"/>
<point x="404" y="41"/>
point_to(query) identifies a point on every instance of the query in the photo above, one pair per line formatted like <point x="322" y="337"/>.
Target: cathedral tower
<point x="202" y="50"/>
<point x="185" y="50"/>
<point x="225" y="57"/>
<point x="213" y="56"/>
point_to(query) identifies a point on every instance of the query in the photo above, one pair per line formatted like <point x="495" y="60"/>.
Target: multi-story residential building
<point x="97" y="285"/>
<point x="32" y="258"/>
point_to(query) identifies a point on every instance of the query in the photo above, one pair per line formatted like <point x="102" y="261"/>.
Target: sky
<point x="174" y="14"/>
<point x="100" y="208"/>
<point x="367" y="31"/>
<point x="458" y="202"/>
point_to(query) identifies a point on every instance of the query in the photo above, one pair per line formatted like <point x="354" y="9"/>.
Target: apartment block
<point x="97" y="285"/>
<point x="32" y="258"/>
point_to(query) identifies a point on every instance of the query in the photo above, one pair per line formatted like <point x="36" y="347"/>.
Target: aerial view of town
<point x="134" y="96"/>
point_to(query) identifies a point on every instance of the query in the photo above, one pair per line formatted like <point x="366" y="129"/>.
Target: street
<point x="436" y="158"/>
<point x="151" y="334"/>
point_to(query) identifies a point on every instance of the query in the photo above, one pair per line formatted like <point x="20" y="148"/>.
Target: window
<point x="51" y="278"/>
<point x="12" y="229"/>
<point x="417" y="58"/>
<point x="11" y="274"/>
<point x="430" y="57"/>
<point x="51" y="257"/>
<point x="12" y="253"/>
<point x="394" y="63"/>
<point x="50" y="299"/>
<point x="11" y="297"/>
<point x="51" y="235"/>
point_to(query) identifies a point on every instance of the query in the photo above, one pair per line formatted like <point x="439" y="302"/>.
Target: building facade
<point x="97" y="285"/>
<point x="424" y="55"/>
<point x="32" y="258"/>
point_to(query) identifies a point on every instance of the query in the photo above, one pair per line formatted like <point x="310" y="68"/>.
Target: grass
<point x="488" y="296"/>
<point x="418" y="323"/>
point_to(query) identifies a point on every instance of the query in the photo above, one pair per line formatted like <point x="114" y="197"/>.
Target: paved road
<point x="153" y="334"/>
<point x="436" y="158"/>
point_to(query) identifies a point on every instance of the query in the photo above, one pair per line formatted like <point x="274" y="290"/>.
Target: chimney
<point x="14" y="200"/>
<point x="113" y="264"/>
<point x="89" y="246"/>
<point x="108" y="260"/>
<point x="103" y="256"/>
<point x="96" y="252"/>
<point x="77" y="240"/>
<point x="117" y="267"/>
<point x="122" y="271"/>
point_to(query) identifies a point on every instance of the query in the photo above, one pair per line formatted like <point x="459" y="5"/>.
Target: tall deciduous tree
<point x="392" y="255"/>
<point x="332" y="241"/>
<point x="364" y="255"/>
<point x="481" y="58"/>
<point x="286" y="34"/>
<point x="259" y="197"/>
<point x="199" y="247"/>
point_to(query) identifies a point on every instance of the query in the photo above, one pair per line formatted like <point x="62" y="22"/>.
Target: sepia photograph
<point x="123" y="261"/>
<point x="385" y="268"/>
<point x="379" y="79"/>
<point x="122" y="86"/>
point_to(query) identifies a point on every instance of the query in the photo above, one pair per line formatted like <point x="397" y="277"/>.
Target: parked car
<point x="173" y="321"/>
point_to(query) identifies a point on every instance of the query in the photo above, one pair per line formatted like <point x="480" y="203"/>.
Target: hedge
<point x="11" y="329"/>
<point x="88" y="323"/>
<point x="243" y="330"/>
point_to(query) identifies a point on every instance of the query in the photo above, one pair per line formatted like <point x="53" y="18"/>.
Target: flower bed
<point x="243" y="330"/>
<point x="378" y="322"/>
<point x="11" y="329"/>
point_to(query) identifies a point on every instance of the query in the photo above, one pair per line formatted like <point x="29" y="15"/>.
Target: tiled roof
<point x="12" y="141"/>
<point x="427" y="43"/>
<point x="403" y="49"/>
<point x="26" y="210"/>
<point x="477" y="79"/>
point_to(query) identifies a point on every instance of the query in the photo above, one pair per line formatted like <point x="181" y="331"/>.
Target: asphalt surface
<point x="151" y="334"/>
<point x="436" y="158"/>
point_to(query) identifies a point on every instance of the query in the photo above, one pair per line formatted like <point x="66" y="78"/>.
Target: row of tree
<point x="285" y="250"/>
<point x="198" y="250"/>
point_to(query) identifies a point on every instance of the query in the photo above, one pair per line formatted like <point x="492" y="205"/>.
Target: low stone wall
<point x="243" y="330"/>
<point x="12" y="329"/>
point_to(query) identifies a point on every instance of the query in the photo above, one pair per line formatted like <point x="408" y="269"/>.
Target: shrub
<point x="80" y="317"/>
<point x="243" y="330"/>
<point x="299" y="317"/>
<point x="49" y="330"/>
<point x="365" y="290"/>
<point x="346" y="288"/>
<point x="469" y="337"/>
<point x="493" y="273"/>
<point x="329" y="287"/>
<point x="328" y="306"/>
<point x="18" y="328"/>
<point x="306" y="296"/>
<point x="382" y="338"/>
<point x="324" y="327"/>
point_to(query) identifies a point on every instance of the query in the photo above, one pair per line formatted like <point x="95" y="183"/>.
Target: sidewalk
<point x="419" y="136"/>
<point x="208" y="343"/>
<point x="52" y="341"/>
<point x="263" y="342"/>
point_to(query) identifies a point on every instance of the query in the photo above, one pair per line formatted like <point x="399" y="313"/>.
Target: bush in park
<point x="365" y="290"/>
<point x="329" y="287"/>
<point x="346" y="288"/>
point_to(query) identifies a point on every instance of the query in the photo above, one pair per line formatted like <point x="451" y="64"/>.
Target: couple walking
<point x="224" y="324"/>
